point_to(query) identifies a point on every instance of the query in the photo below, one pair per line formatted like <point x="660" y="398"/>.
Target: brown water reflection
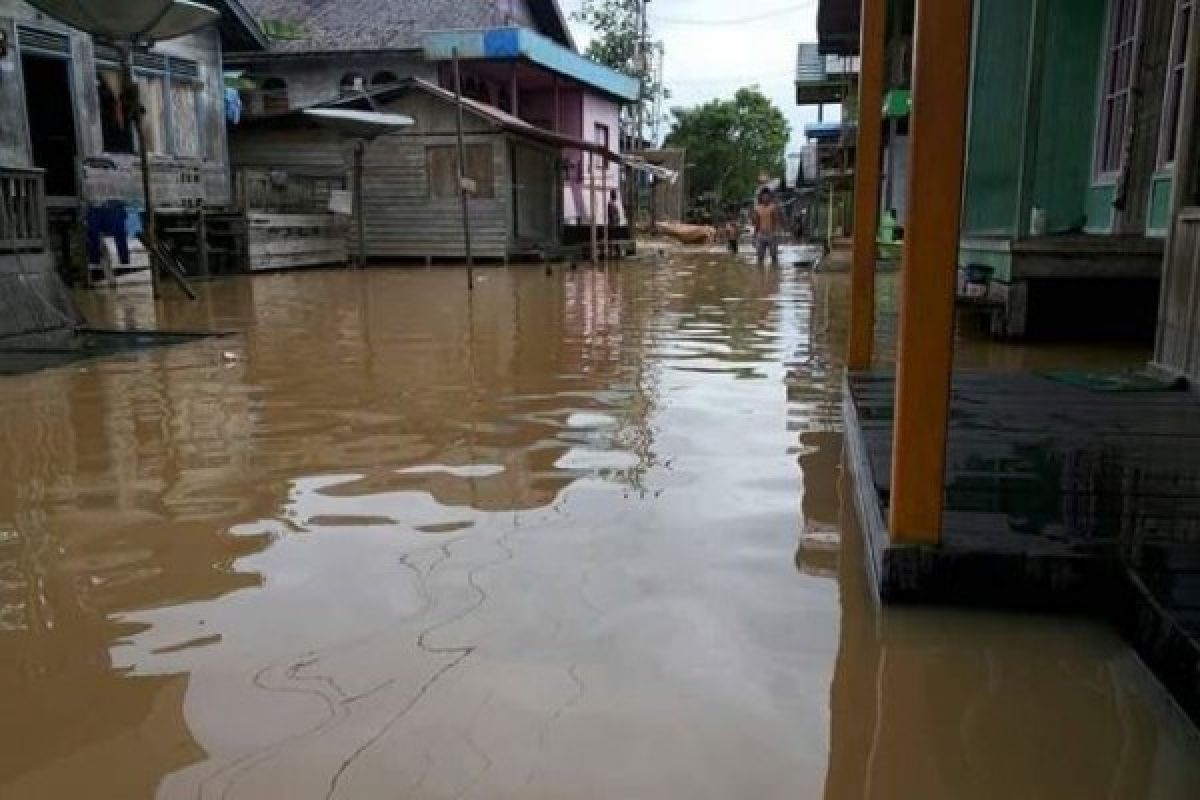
<point x="544" y="543"/>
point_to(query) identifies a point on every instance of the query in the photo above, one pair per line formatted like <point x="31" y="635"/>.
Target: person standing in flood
<point x="730" y="232"/>
<point x="768" y="221"/>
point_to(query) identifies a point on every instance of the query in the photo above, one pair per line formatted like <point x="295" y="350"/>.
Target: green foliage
<point x="616" y="25"/>
<point x="730" y="143"/>
<point x="615" y="45"/>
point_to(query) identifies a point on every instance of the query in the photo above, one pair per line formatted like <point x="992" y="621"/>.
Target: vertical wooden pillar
<point x="514" y="91"/>
<point x="591" y="168"/>
<point x="925" y="357"/>
<point x="604" y="201"/>
<point x="866" y="184"/>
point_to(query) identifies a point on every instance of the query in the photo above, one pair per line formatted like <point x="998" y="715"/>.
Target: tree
<point x="730" y="143"/>
<point x="621" y="44"/>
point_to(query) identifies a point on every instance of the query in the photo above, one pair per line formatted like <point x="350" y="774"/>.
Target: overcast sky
<point x="715" y="47"/>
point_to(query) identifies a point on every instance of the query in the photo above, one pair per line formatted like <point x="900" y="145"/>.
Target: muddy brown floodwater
<point x="584" y="536"/>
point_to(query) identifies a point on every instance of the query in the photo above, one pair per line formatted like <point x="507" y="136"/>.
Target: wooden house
<point x="410" y="189"/>
<point x="66" y="143"/>
<point x="1071" y="155"/>
<point x="516" y="56"/>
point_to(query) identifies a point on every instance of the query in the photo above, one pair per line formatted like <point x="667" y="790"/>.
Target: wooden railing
<point x="22" y="210"/>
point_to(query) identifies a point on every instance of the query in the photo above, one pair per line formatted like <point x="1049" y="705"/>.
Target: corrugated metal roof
<point x="308" y="26"/>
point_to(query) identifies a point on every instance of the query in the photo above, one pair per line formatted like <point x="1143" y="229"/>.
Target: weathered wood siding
<point x="403" y="217"/>
<point x="203" y="48"/>
<point x="1179" y="320"/>
<point x="1151" y="78"/>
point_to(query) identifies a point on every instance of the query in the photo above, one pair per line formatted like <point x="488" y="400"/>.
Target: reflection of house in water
<point x="547" y="372"/>
<point x="112" y="499"/>
<point x="986" y="692"/>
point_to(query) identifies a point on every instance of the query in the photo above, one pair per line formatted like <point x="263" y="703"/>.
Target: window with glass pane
<point x="151" y="90"/>
<point x="185" y="124"/>
<point x="1119" y="66"/>
<point x="1174" y="89"/>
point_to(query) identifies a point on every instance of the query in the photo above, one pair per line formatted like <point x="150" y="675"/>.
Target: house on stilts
<point x="67" y="145"/>
<point x="1066" y="489"/>
<point x="545" y="122"/>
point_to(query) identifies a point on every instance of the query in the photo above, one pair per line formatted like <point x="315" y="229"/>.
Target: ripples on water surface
<point x="580" y="536"/>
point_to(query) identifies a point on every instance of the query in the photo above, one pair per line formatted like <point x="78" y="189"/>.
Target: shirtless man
<point x="768" y="222"/>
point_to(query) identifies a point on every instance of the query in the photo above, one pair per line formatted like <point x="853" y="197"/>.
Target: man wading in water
<point x="768" y="221"/>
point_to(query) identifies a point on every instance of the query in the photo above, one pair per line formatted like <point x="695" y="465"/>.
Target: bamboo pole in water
<point x="591" y="164"/>
<point x="604" y="201"/>
<point x="462" y="175"/>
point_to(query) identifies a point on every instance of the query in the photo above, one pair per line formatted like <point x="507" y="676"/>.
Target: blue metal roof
<point x="823" y="131"/>
<point x="506" y="44"/>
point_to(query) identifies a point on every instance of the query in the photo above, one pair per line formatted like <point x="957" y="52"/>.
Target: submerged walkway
<point x="584" y="536"/>
<point x="1057" y="497"/>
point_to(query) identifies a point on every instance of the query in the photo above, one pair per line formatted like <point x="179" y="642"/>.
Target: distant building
<point x="828" y="160"/>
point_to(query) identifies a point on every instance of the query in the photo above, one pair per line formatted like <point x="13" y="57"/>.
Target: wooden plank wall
<point x="1179" y="326"/>
<point x="403" y="219"/>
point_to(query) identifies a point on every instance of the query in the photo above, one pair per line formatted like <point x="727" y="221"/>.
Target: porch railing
<point x="22" y="210"/>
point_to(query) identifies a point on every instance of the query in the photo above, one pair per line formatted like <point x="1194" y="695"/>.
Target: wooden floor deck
<point x="1057" y="498"/>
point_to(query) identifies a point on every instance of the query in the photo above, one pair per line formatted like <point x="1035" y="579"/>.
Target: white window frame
<point x="1103" y="170"/>
<point x="1173" y="88"/>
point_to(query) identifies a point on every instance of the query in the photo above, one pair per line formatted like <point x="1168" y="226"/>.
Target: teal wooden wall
<point x="1050" y="149"/>
<point x="996" y="123"/>
<point x="1062" y="154"/>
<point x="1158" y="215"/>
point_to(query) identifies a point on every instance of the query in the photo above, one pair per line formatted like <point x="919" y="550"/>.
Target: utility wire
<point x="778" y="12"/>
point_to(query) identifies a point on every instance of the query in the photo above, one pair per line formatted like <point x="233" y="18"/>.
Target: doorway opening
<point x="51" y="121"/>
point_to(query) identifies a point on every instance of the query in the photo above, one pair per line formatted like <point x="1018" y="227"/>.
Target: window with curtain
<point x="1120" y="54"/>
<point x="1173" y="95"/>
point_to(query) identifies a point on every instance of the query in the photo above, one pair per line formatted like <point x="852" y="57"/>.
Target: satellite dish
<point x="130" y="20"/>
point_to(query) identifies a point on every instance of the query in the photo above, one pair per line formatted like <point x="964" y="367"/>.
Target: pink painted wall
<point x="577" y="195"/>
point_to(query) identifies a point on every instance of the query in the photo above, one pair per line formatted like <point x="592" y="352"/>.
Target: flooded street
<point x="579" y="536"/>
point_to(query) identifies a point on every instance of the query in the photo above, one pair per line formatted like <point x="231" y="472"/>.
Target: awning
<point x="359" y="124"/>
<point x="639" y="164"/>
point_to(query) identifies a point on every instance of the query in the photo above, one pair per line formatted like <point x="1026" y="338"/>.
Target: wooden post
<point x="513" y="93"/>
<point x="604" y="201"/>
<point x="202" y="241"/>
<point x="1182" y="185"/>
<point x="925" y="357"/>
<point x="462" y="175"/>
<point x="557" y="127"/>
<point x="866" y="185"/>
<point x="139" y="119"/>
<point x="360" y="211"/>
<point x="591" y="164"/>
